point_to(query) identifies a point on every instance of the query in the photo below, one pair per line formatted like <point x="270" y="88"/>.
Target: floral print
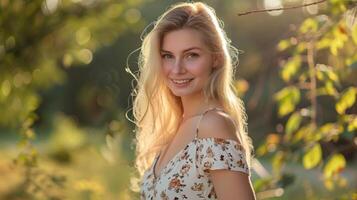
<point x="187" y="175"/>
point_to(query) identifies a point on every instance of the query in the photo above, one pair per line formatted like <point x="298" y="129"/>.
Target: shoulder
<point x="217" y="124"/>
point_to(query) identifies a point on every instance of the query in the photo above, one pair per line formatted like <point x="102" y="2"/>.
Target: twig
<point x="282" y="8"/>
<point x="313" y="85"/>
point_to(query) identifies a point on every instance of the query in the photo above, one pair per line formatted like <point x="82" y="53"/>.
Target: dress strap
<point x="199" y="121"/>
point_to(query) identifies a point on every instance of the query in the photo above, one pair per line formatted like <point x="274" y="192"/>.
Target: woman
<point x="192" y="140"/>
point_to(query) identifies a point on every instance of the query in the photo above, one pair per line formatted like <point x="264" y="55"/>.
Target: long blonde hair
<point x="156" y="110"/>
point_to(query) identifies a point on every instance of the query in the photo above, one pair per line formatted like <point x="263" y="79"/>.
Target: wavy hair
<point x="156" y="110"/>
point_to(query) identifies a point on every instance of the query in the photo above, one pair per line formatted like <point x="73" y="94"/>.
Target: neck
<point x="196" y="104"/>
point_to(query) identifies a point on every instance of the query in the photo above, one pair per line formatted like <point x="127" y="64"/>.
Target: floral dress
<point x="186" y="175"/>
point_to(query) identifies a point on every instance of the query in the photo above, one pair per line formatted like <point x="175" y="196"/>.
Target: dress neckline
<point x="179" y="152"/>
<point x="169" y="162"/>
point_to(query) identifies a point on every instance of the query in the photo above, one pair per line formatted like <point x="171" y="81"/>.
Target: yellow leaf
<point x="283" y="44"/>
<point x="301" y="47"/>
<point x="285" y="108"/>
<point x="287" y="99"/>
<point x="262" y="150"/>
<point x="347" y="99"/>
<point x="333" y="49"/>
<point x="330" y="89"/>
<point x="292" y="124"/>
<point x="335" y="165"/>
<point x="319" y="75"/>
<point x="277" y="162"/>
<point x="352" y="125"/>
<point x="309" y="25"/>
<point x="303" y="133"/>
<point x="323" y="43"/>
<point x="312" y="157"/>
<point x="290" y="68"/>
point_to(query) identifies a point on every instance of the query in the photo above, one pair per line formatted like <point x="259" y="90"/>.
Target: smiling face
<point x="186" y="62"/>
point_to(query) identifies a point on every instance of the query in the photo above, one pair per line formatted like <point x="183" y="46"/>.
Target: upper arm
<point x="228" y="184"/>
<point x="231" y="185"/>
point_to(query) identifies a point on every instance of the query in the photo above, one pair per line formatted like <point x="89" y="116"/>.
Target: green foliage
<point x="39" y="41"/>
<point x="322" y="59"/>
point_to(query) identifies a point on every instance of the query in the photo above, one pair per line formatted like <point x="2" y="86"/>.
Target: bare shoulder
<point x="217" y="124"/>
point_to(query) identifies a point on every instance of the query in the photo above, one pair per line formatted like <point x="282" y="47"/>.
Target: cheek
<point x="199" y="67"/>
<point x="165" y="68"/>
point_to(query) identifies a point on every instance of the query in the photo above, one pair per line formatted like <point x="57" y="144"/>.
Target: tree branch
<point x="313" y="84"/>
<point x="282" y="8"/>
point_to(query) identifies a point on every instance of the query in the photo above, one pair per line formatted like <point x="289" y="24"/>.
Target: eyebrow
<point x="189" y="49"/>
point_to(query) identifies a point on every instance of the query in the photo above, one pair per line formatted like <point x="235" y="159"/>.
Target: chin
<point x="183" y="93"/>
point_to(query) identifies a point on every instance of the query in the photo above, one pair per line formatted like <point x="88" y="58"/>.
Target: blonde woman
<point x="192" y="140"/>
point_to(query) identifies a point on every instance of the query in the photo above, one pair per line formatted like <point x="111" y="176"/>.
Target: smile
<point x="181" y="82"/>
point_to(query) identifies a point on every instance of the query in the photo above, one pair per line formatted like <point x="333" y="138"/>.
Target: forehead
<point x="182" y="39"/>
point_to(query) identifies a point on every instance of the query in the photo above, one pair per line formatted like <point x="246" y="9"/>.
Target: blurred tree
<point x="39" y="39"/>
<point x="320" y="81"/>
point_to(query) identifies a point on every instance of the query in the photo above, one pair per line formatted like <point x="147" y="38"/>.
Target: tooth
<point x="182" y="81"/>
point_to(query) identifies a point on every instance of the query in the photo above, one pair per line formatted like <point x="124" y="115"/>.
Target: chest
<point x="180" y="177"/>
<point x="184" y="136"/>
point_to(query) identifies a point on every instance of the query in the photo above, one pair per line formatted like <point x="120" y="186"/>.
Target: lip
<point x="180" y="78"/>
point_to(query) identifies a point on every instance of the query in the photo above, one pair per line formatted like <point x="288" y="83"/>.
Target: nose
<point x="178" y="67"/>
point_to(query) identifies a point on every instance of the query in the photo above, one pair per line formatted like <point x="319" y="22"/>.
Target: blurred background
<point x="65" y="95"/>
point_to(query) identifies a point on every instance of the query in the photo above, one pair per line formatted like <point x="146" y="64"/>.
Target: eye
<point x="192" y="55"/>
<point x="166" y="56"/>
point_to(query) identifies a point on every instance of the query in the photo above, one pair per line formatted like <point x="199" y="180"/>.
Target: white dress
<point x="186" y="175"/>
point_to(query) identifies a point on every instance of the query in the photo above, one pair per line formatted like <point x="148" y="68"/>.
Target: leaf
<point x="290" y="68"/>
<point x="352" y="125"/>
<point x="292" y="124"/>
<point x="335" y="165"/>
<point x="283" y="45"/>
<point x="330" y="89"/>
<point x="277" y="162"/>
<point x="303" y="133"/>
<point x="351" y="62"/>
<point x="338" y="6"/>
<point x="347" y="99"/>
<point x="325" y="72"/>
<point x="301" y="47"/>
<point x="312" y="157"/>
<point x="330" y="131"/>
<point x="262" y="150"/>
<point x="309" y="25"/>
<point x="320" y="75"/>
<point x="287" y="99"/>
<point x="332" y="76"/>
<point x="339" y="38"/>
<point x="323" y="43"/>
